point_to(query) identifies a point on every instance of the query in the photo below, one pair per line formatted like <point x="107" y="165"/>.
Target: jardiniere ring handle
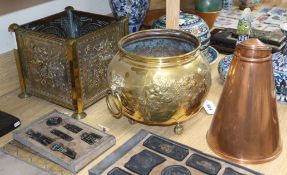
<point x="117" y="102"/>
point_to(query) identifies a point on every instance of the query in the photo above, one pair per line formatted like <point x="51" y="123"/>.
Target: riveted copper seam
<point x="242" y="58"/>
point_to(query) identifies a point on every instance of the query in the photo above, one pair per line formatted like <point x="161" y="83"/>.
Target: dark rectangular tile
<point x="203" y="164"/>
<point x="230" y="171"/>
<point x="62" y="135"/>
<point x="143" y="162"/>
<point x="167" y="148"/>
<point x="73" y="128"/>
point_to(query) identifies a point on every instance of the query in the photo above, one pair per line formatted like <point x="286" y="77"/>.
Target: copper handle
<point x="117" y="103"/>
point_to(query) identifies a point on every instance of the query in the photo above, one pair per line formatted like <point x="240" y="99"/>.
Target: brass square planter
<point x="63" y="58"/>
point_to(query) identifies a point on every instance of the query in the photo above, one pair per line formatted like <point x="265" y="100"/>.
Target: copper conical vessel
<point x="245" y="126"/>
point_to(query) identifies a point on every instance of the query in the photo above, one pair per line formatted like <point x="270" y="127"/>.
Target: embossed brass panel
<point x="63" y="58"/>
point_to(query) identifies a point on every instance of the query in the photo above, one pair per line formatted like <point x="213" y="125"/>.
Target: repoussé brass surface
<point x="159" y="80"/>
<point x="63" y="58"/>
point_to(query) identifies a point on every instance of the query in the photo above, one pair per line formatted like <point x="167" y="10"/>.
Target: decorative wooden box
<point x="63" y="58"/>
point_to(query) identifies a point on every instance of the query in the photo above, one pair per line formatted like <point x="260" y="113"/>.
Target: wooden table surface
<point x="194" y="134"/>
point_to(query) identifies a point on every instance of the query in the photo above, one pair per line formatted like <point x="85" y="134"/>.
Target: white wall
<point x="42" y="10"/>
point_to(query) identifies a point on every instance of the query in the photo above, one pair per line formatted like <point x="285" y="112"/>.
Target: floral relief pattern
<point x="167" y="93"/>
<point x="94" y="54"/>
<point x="47" y="69"/>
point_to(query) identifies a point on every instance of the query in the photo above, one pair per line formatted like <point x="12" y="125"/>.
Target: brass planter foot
<point x="178" y="129"/>
<point x="131" y="121"/>
<point x="24" y="95"/>
<point x="79" y="116"/>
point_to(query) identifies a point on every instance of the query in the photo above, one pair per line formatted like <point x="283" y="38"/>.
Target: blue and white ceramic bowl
<point x="135" y="10"/>
<point x="195" y="25"/>
<point x="210" y="54"/>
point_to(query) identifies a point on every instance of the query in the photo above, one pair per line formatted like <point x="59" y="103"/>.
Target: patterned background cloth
<point x="267" y="19"/>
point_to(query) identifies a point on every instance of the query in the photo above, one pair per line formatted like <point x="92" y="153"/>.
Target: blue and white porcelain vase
<point x="279" y="60"/>
<point x="135" y="10"/>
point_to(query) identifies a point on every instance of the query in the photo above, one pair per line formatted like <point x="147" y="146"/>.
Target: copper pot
<point x="158" y="77"/>
<point x="245" y="127"/>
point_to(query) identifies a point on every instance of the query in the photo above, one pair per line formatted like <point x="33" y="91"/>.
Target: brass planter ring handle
<point x="117" y="103"/>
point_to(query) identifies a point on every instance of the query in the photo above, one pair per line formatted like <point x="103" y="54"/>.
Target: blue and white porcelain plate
<point x="210" y="54"/>
<point x="189" y="23"/>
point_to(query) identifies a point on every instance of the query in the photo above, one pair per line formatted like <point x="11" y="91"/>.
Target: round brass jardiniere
<point x="158" y="77"/>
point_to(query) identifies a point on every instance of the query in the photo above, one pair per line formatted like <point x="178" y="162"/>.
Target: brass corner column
<point x="24" y="94"/>
<point x="75" y="78"/>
